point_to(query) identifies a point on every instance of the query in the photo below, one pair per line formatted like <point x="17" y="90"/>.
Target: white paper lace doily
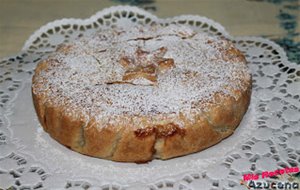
<point x="267" y="139"/>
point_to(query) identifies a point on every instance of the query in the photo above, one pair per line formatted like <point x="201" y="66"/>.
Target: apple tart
<point x="139" y="93"/>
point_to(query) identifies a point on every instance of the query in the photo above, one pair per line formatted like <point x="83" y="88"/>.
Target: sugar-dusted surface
<point x="88" y="74"/>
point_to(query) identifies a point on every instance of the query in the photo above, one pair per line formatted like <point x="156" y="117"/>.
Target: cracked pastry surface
<point x="134" y="94"/>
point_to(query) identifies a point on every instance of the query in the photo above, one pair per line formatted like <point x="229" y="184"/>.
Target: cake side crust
<point x="127" y="143"/>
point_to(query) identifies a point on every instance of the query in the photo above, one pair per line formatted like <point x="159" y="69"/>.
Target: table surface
<point x="275" y="19"/>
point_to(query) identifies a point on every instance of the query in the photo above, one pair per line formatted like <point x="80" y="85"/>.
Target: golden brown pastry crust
<point x="127" y="142"/>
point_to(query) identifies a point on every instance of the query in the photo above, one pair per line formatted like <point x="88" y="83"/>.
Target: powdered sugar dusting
<point x="87" y="74"/>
